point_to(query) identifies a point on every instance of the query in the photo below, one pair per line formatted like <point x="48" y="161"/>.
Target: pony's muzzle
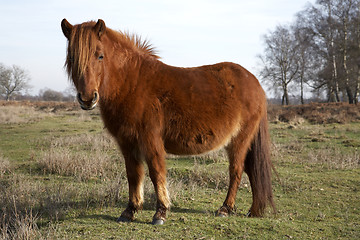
<point x="88" y="104"/>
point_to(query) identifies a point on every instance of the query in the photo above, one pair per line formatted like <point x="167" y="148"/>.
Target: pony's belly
<point x="184" y="149"/>
<point x="200" y="143"/>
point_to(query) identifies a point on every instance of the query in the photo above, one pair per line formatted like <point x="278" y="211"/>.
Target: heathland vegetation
<point x="62" y="177"/>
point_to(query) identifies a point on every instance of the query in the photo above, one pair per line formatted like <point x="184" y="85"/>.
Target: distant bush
<point x="51" y="95"/>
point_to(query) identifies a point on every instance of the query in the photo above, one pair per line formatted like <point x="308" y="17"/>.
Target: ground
<point x="62" y="177"/>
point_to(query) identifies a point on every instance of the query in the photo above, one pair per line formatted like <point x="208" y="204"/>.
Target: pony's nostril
<point x="96" y="97"/>
<point x="78" y="96"/>
<point x="88" y="104"/>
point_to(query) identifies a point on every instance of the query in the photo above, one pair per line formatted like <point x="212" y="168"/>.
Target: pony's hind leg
<point x="135" y="176"/>
<point x="236" y="168"/>
<point x="236" y="150"/>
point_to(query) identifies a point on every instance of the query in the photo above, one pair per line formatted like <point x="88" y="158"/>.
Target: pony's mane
<point x="143" y="46"/>
<point x="82" y="45"/>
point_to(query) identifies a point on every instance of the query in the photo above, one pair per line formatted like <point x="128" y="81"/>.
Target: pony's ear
<point x="100" y="27"/>
<point x="66" y="28"/>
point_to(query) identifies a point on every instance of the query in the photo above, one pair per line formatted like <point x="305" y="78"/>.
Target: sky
<point x="186" y="33"/>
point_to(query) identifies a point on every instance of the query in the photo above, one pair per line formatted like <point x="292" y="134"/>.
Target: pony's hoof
<point x="224" y="211"/>
<point x="222" y="215"/>
<point x="158" y="222"/>
<point x="123" y="219"/>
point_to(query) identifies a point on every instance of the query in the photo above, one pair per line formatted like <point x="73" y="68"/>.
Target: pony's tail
<point x="258" y="167"/>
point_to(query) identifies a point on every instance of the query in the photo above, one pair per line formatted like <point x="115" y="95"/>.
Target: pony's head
<point x="85" y="59"/>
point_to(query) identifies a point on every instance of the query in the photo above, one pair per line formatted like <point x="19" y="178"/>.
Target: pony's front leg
<point x="135" y="175"/>
<point x="155" y="158"/>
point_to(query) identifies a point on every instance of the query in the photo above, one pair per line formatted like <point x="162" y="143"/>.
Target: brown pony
<point x="151" y="109"/>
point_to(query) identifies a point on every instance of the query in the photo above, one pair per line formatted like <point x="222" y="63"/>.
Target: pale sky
<point x="185" y="32"/>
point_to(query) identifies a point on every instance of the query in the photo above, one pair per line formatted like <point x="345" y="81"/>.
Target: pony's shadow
<point x="150" y="206"/>
<point x="190" y="210"/>
<point x="100" y="216"/>
<point x="110" y="218"/>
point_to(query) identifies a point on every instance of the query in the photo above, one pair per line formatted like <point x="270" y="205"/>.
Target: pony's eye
<point x="101" y="57"/>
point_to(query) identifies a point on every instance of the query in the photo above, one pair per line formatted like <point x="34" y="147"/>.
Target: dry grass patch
<point x="82" y="166"/>
<point x="209" y="176"/>
<point x="85" y="142"/>
<point x="83" y="156"/>
<point x="332" y="158"/>
<point x="19" y="114"/>
<point x="21" y="195"/>
<point x="21" y="202"/>
<point x="24" y="201"/>
<point x="20" y="226"/>
<point x="5" y="166"/>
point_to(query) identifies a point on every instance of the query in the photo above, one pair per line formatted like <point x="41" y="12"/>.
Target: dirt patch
<point x="315" y="113"/>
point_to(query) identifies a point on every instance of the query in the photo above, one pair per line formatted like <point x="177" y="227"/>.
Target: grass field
<point x="62" y="177"/>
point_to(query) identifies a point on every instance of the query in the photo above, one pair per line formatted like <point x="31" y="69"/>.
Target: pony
<point x="152" y="109"/>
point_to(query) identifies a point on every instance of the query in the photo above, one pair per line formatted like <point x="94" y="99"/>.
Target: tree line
<point x="318" y="54"/>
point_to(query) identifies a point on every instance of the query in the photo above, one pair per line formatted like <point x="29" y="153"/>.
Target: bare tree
<point x="280" y="64"/>
<point x="355" y="49"/>
<point x="335" y="24"/>
<point x="5" y="75"/>
<point x="13" y="80"/>
<point x="328" y="38"/>
<point x="306" y="60"/>
<point x="344" y="13"/>
<point x="320" y="20"/>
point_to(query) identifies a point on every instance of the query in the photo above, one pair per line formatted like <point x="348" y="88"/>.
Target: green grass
<point x="316" y="195"/>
